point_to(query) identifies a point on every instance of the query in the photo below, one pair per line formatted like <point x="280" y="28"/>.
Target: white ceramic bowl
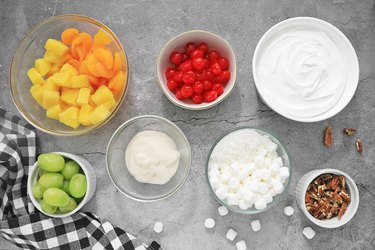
<point x="335" y="35"/>
<point x="214" y="42"/>
<point x="333" y="222"/>
<point x="90" y="177"/>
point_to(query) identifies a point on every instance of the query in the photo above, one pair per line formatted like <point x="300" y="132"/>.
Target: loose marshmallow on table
<point x="158" y="227"/>
<point x="223" y="210"/>
<point x="209" y="223"/>
<point x="241" y="245"/>
<point x="255" y="225"/>
<point x="308" y="232"/>
<point x="231" y="234"/>
<point x="289" y="211"/>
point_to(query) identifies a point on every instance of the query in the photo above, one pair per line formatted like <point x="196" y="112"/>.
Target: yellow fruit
<point x="54" y="68"/>
<point x="102" y="95"/>
<point x="53" y="58"/>
<point x="70" y="117"/>
<point x="42" y="66"/>
<point x="54" y="111"/>
<point x="79" y="81"/>
<point x="70" y="96"/>
<point x="35" y="76"/>
<point x="61" y="79"/>
<point x="99" y="114"/>
<point x="102" y="38"/>
<point x="56" y="47"/>
<point x="83" y="96"/>
<point x="49" y="84"/>
<point x="69" y="68"/>
<point x="84" y="113"/>
<point x="110" y="104"/>
<point x="37" y="92"/>
<point x="50" y="98"/>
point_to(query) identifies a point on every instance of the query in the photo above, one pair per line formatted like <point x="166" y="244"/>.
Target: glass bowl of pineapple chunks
<point x="69" y="75"/>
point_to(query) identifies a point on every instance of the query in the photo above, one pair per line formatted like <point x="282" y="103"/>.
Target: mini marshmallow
<point x="267" y="162"/>
<point x="232" y="199"/>
<point x="271" y="147"/>
<point x="234" y="169"/>
<point x="243" y="173"/>
<point x="257" y="175"/>
<point x="278" y="161"/>
<point x="222" y="193"/>
<point x="234" y="183"/>
<point x="223" y="210"/>
<point x="288" y="210"/>
<point x="262" y="152"/>
<point x="260" y="203"/>
<point x="284" y="173"/>
<point x="214" y="172"/>
<point x="241" y="245"/>
<point x="268" y="197"/>
<point x="215" y="182"/>
<point x="248" y="196"/>
<point x="209" y="223"/>
<point x="224" y="177"/>
<point x="243" y="204"/>
<point x="263" y="188"/>
<point x="250" y="167"/>
<point x="267" y="175"/>
<point x="259" y="161"/>
<point x="231" y="234"/>
<point x="253" y="186"/>
<point x="158" y="227"/>
<point x="308" y="232"/>
<point x="277" y="186"/>
<point x="255" y="225"/>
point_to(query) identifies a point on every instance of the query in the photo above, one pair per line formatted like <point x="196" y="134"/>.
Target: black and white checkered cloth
<point x="23" y="225"/>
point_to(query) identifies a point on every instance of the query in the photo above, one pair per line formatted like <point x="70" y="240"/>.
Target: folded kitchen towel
<point x="23" y="225"/>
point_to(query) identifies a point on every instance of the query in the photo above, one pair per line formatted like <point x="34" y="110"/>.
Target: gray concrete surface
<point x="143" y="27"/>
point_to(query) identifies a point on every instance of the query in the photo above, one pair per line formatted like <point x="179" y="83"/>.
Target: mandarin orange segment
<point x="91" y="65"/>
<point x="68" y="35"/>
<point x="117" y="62"/>
<point x="117" y="82"/>
<point x="104" y="56"/>
<point x="102" y="38"/>
<point x="103" y="71"/>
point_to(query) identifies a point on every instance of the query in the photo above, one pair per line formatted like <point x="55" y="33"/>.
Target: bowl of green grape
<point x="61" y="183"/>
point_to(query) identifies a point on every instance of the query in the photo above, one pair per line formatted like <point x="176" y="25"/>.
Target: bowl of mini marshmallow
<point x="248" y="170"/>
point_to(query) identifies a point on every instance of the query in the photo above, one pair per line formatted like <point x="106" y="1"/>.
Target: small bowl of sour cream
<point x="148" y="158"/>
<point x="305" y="69"/>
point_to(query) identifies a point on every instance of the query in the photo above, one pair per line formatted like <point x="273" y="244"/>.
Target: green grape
<point x="65" y="187"/>
<point x="56" y="197"/>
<point x="71" y="168"/>
<point x="42" y="172"/>
<point x="47" y="208"/>
<point x="51" y="162"/>
<point x="78" y="186"/>
<point x="49" y="180"/>
<point x="38" y="190"/>
<point x="70" y="207"/>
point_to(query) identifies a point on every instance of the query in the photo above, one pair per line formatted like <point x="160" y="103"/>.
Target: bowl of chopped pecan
<point x="328" y="197"/>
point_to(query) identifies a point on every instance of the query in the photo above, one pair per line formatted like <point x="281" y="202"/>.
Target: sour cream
<point x="152" y="157"/>
<point x="302" y="72"/>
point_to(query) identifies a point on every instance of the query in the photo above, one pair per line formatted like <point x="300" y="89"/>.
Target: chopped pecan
<point x="349" y="131"/>
<point x="342" y="210"/>
<point x="359" y="146"/>
<point x="342" y="182"/>
<point x="326" y="177"/>
<point x="328" y="137"/>
<point x="344" y="196"/>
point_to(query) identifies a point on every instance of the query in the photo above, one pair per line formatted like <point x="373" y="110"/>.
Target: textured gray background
<point x="143" y="27"/>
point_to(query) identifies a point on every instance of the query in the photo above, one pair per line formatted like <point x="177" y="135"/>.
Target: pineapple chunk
<point x="70" y="117"/>
<point x="83" y="96"/>
<point x="52" y="58"/>
<point x="102" y="95"/>
<point x="61" y="79"/>
<point x="70" y="96"/>
<point x="56" y="47"/>
<point x="54" y="111"/>
<point x="80" y="81"/>
<point x="49" y="84"/>
<point x="54" y="69"/>
<point x="69" y="68"/>
<point x="50" y="98"/>
<point x="99" y="114"/>
<point x="42" y="66"/>
<point x="35" y="76"/>
<point x="110" y="104"/>
<point x="84" y="113"/>
<point x="37" y="92"/>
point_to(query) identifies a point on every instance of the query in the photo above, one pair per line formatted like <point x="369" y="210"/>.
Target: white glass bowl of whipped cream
<point x="305" y="69"/>
<point x="248" y="170"/>
<point x="148" y="158"/>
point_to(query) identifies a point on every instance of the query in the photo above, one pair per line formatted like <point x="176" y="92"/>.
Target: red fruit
<point x="189" y="47"/>
<point x="213" y="55"/>
<point x="197" y="99"/>
<point x="178" y="76"/>
<point x="198" y="63"/>
<point x="201" y="76"/>
<point x="203" y="47"/>
<point x="169" y="73"/>
<point x="216" y="69"/>
<point x="219" y="88"/>
<point x="186" y="66"/>
<point x="210" y="96"/>
<point x="209" y="75"/>
<point x="185" y="57"/>
<point x="196" y="53"/>
<point x="187" y="91"/>
<point x="176" y="58"/>
<point x="207" y="85"/>
<point x="189" y="77"/>
<point x="225" y="76"/>
<point x="224" y="63"/>
<point x="172" y="85"/>
<point x="198" y="87"/>
<point x="179" y="94"/>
